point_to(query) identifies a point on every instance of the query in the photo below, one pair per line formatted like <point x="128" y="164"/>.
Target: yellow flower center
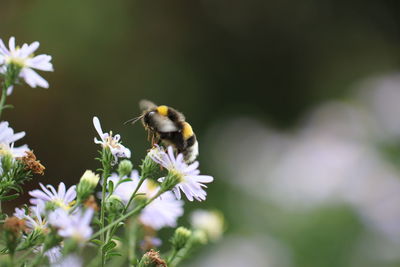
<point x="5" y="150"/>
<point x="111" y="142"/>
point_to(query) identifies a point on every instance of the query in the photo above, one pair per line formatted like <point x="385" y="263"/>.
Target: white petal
<point x="10" y="89"/>
<point x="41" y="62"/>
<point x="11" y="44"/>
<point x="97" y="126"/>
<point x="3" y="49"/>
<point x="29" y="49"/>
<point x="203" y="178"/>
<point x="33" y="79"/>
<point x="16" y="137"/>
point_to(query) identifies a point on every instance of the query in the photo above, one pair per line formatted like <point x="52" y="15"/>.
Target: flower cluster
<point x="63" y="222"/>
<point x="162" y="211"/>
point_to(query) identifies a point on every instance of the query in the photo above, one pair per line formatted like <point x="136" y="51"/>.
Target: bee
<point x="167" y="125"/>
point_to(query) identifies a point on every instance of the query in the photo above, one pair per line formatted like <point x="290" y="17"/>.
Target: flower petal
<point x="33" y="79"/>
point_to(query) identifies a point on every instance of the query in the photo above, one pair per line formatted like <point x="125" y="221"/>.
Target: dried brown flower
<point x="90" y="202"/>
<point x="14" y="225"/>
<point x="154" y="257"/>
<point x="31" y="163"/>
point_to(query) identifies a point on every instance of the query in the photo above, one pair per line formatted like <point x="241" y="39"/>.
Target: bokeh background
<point x="295" y="104"/>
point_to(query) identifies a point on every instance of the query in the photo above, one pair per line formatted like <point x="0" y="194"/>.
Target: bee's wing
<point x="146" y="105"/>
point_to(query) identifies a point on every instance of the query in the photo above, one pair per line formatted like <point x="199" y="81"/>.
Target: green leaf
<point x="124" y="181"/>
<point x="97" y="242"/>
<point x="9" y="197"/>
<point x="112" y="254"/>
<point x="110" y="186"/>
<point x="109" y="246"/>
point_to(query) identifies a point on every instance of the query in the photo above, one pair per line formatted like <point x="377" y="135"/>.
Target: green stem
<point x="178" y="256"/>
<point x="133" y="195"/>
<point x="11" y="76"/>
<point x="127" y="215"/>
<point x="22" y="258"/>
<point x="172" y="256"/>
<point x="132" y="232"/>
<point x="111" y="232"/>
<point x="3" y="98"/>
<point x="3" y="95"/>
<point x="106" y="162"/>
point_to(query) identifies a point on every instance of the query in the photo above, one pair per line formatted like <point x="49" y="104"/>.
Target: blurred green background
<point x="252" y="78"/>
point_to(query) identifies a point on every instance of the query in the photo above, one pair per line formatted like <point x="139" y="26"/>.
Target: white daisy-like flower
<point x="62" y="198"/>
<point x="110" y="141"/>
<point x="23" y="58"/>
<point x="191" y="182"/>
<point x="53" y="254"/>
<point x="7" y="139"/>
<point x="161" y="212"/>
<point x="72" y="225"/>
<point x="34" y="220"/>
<point x="69" y="261"/>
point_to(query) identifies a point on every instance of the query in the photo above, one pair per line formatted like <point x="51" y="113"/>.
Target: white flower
<point x="75" y="225"/>
<point x="112" y="142"/>
<point x="191" y="182"/>
<point x="161" y="212"/>
<point x="54" y="254"/>
<point x="23" y="58"/>
<point x="7" y="139"/>
<point x="69" y="261"/>
<point x="211" y="222"/>
<point x="62" y="198"/>
<point x="34" y="221"/>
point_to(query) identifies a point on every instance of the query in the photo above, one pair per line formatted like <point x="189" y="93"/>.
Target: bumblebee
<point x="167" y="125"/>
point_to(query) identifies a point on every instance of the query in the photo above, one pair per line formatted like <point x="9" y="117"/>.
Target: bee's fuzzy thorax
<point x="162" y="110"/>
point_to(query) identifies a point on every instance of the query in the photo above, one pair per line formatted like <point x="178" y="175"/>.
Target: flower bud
<point x="199" y="237"/>
<point x="6" y="160"/>
<point x="125" y="168"/>
<point x="150" y="169"/>
<point x="87" y="184"/>
<point x="210" y="222"/>
<point x="173" y="178"/>
<point x="180" y="238"/>
<point x="114" y="204"/>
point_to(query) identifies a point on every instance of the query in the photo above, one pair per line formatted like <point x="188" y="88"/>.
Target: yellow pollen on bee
<point x="187" y="130"/>
<point x="162" y="110"/>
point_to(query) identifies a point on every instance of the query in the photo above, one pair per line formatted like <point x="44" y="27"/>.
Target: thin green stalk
<point x="172" y="256"/>
<point x="112" y="231"/>
<point x="132" y="232"/>
<point x="10" y="79"/>
<point x="133" y="195"/>
<point x="23" y="257"/>
<point x="178" y="256"/>
<point x="106" y="163"/>
<point x="3" y="98"/>
<point x="3" y="95"/>
<point x="127" y="215"/>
